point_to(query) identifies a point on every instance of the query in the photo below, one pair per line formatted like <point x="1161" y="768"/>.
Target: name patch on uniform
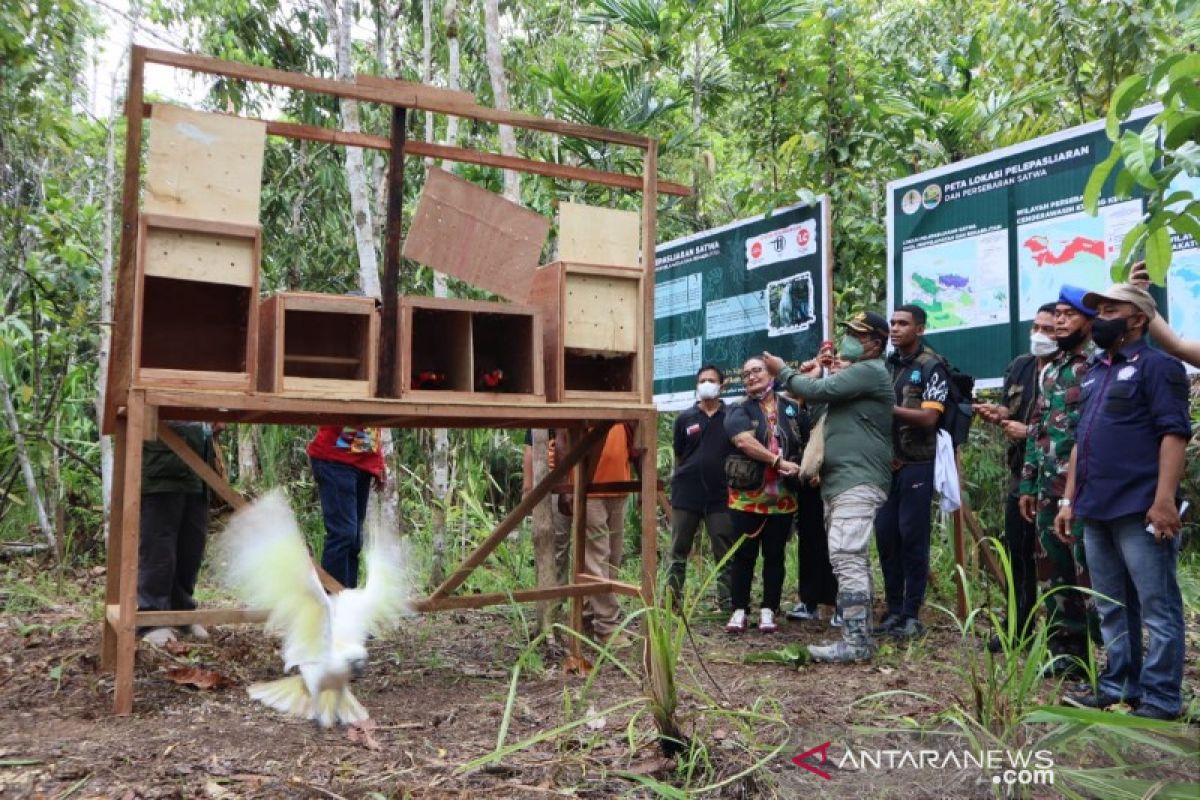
<point x="693" y="429"/>
<point x="1126" y="373"/>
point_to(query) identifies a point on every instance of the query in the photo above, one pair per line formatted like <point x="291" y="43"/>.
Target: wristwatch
<point x="1064" y="502"/>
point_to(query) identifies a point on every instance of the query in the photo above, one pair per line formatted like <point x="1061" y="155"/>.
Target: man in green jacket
<point x="856" y="401"/>
<point x="174" y="525"/>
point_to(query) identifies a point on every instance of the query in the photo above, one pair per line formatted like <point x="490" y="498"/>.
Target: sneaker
<point x="889" y="622"/>
<point x="766" y="621"/>
<point x="836" y="620"/>
<point x="737" y="622"/>
<point x="1154" y="712"/>
<point x="1098" y="700"/>
<point x="803" y="612"/>
<point x="195" y="631"/>
<point x="159" y="637"/>
<point x="910" y="628"/>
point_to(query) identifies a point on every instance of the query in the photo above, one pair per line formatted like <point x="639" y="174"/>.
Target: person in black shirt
<point x="698" y="488"/>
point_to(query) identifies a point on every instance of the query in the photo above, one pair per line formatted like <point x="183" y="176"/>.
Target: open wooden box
<point x="593" y="331"/>
<point x="318" y="344"/>
<point x="470" y="348"/>
<point x="195" y="303"/>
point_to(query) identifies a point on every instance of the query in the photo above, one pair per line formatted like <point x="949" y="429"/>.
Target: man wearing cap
<point x="856" y="402"/>
<point x="1123" y="483"/>
<point x="921" y="385"/>
<point x="1044" y="478"/>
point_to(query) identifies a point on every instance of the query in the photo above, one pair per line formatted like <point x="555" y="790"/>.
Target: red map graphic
<point x="1044" y="256"/>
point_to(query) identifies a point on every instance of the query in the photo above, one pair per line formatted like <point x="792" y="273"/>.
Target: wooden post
<point x="389" y="381"/>
<point x="120" y="361"/>
<point x="112" y="572"/>
<point x="130" y="499"/>
<point x="649" y="239"/>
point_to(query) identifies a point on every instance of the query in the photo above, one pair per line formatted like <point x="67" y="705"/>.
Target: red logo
<point x="756" y="250"/>
<point x="802" y="237"/>
<point x="800" y="760"/>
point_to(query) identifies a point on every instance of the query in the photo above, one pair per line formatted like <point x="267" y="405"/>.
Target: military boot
<point x="856" y="644"/>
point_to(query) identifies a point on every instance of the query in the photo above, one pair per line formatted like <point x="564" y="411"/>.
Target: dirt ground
<point x="436" y="690"/>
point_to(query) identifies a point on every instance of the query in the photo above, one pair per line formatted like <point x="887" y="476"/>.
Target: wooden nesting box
<point x="469" y="348"/>
<point x="593" y="319"/>
<point x="318" y="344"/>
<point x="195" y="303"/>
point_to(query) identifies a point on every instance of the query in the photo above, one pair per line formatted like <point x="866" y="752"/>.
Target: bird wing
<point x="267" y="563"/>
<point x="386" y="596"/>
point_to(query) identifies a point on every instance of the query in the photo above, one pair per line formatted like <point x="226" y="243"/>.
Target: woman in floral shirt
<point x="768" y="429"/>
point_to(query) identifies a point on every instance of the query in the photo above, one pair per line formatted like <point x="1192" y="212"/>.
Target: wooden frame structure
<point x="137" y="409"/>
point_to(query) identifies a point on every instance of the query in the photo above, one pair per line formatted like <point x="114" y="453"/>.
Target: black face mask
<point x="1070" y="341"/>
<point x="1107" y="332"/>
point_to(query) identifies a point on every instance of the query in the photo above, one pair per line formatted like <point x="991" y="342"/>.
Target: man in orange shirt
<point x="605" y="511"/>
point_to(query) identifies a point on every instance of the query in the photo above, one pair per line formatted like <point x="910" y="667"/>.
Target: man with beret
<point x="1123" y="483"/>
<point x="1044" y="478"/>
<point x="856" y="401"/>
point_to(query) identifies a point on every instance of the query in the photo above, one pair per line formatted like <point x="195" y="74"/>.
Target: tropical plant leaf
<point x="1096" y="181"/>
<point x="1139" y="152"/>
<point x="793" y="655"/>
<point x="1124" y="97"/>
<point x="1158" y="254"/>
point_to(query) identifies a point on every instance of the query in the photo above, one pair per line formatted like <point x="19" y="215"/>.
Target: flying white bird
<point x="268" y="564"/>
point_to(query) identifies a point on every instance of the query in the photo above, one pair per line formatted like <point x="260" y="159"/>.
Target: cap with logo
<point x="868" y="322"/>
<point x="1123" y="293"/>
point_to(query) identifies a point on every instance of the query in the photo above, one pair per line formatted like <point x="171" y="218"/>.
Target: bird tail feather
<point x="288" y="695"/>
<point x="339" y="707"/>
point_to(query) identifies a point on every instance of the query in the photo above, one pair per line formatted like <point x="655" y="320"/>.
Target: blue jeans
<point x="1136" y="575"/>
<point x="344" y="491"/>
<point x="902" y="537"/>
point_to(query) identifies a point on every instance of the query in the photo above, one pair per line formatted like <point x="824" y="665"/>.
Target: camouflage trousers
<point x="1070" y="614"/>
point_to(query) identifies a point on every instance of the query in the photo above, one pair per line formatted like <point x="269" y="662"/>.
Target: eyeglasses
<point x="752" y="372"/>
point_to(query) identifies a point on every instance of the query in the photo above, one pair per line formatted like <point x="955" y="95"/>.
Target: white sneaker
<point x="196" y="631"/>
<point x="159" y="637"/>
<point x="766" y="621"/>
<point x="737" y="622"/>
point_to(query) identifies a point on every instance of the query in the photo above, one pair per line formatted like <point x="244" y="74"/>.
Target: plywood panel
<point x="207" y="166"/>
<point x="601" y="313"/>
<point x="198" y="256"/>
<point x="476" y="235"/>
<point x="591" y="235"/>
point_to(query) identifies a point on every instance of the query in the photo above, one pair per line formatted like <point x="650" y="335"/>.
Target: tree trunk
<point x="35" y="496"/>
<point x="356" y="170"/>
<point x="543" y="533"/>
<point x="495" y="65"/>
<point x="247" y="453"/>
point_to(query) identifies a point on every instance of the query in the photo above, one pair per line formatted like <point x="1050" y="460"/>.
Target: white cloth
<point x="945" y="474"/>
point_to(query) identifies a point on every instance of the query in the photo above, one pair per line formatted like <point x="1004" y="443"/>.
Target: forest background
<point x="757" y="104"/>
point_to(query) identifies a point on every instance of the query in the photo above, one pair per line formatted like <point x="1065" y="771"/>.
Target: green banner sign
<point x="725" y="294"/>
<point x="980" y="244"/>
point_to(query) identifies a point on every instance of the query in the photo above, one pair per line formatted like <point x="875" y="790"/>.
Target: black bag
<point x="744" y="474"/>
<point x="957" y="418"/>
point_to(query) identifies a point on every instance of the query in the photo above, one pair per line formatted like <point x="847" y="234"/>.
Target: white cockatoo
<point x="268" y="565"/>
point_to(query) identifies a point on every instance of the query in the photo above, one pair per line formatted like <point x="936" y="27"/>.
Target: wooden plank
<point x="112" y="571"/>
<point x="650" y="239"/>
<point x="475" y="235"/>
<point x="202" y="165"/>
<point x="131" y="517"/>
<point x="601" y="313"/>
<point x="120" y="362"/>
<point x="206" y="257"/>
<point x="464" y="155"/>
<point x="582" y="477"/>
<point x="592" y="235"/>
<point x="329" y="388"/>
<point x="517" y="596"/>
<point x="430" y="99"/>
<point x="270" y="344"/>
<point x="388" y="384"/>
<point x="514" y="517"/>
<point x="199" y="616"/>
<point x="193" y="379"/>
<point x="420" y="89"/>
<point x="545" y="293"/>
<point x="198" y="465"/>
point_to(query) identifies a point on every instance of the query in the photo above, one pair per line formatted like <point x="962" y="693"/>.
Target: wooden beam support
<point x="522" y="510"/>
<point x="198" y="616"/>
<point x="521" y="596"/>
<point x="464" y="155"/>
<point x="424" y="98"/>
<point x="199" y="466"/>
<point x="388" y="382"/>
<point x="131" y="519"/>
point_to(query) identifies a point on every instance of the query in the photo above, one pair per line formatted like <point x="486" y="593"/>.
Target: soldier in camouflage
<point x="1043" y="481"/>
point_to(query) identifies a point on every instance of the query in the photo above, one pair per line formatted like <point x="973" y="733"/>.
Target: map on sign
<point x="1075" y="249"/>
<point x="960" y="284"/>
<point x="1183" y="289"/>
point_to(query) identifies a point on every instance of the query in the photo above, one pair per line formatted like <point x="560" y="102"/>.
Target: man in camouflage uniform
<point x="1043" y="481"/>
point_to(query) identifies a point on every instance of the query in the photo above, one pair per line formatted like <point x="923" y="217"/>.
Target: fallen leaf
<point x="576" y="665"/>
<point x="199" y="677"/>
<point x="649" y="766"/>
<point x="363" y="733"/>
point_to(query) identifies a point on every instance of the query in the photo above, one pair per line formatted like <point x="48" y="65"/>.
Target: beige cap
<point x="1124" y="293"/>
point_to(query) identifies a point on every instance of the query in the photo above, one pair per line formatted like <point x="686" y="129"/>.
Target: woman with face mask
<point x="768" y="431"/>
